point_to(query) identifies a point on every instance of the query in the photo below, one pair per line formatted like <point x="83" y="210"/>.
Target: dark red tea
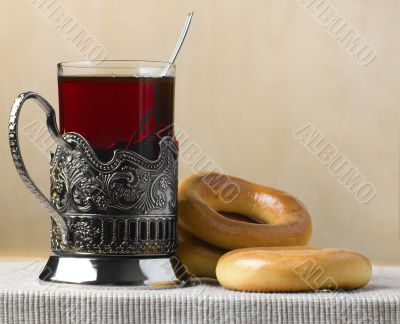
<point x="118" y="112"/>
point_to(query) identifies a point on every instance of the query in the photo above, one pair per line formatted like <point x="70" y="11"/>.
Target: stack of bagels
<point x="253" y="238"/>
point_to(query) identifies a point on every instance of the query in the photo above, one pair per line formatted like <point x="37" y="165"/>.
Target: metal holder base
<point x="114" y="270"/>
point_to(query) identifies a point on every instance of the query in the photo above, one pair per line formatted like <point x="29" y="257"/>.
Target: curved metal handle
<point x="17" y="157"/>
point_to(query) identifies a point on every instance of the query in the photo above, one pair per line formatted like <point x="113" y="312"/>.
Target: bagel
<point x="282" y="219"/>
<point x="292" y="269"/>
<point x="200" y="257"/>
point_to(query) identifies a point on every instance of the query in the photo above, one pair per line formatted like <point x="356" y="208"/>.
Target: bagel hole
<point x="239" y="217"/>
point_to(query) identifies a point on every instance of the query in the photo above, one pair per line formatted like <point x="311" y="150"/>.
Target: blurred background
<point x="249" y="76"/>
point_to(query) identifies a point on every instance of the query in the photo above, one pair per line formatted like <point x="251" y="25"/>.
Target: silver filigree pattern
<point x="129" y="190"/>
<point x="80" y="182"/>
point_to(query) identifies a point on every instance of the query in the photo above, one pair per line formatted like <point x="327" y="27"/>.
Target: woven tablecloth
<point x="23" y="299"/>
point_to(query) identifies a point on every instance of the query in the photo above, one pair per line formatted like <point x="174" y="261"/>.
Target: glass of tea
<point x="113" y="198"/>
<point x="117" y="104"/>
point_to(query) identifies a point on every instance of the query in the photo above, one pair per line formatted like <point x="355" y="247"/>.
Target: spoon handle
<point x="179" y="43"/>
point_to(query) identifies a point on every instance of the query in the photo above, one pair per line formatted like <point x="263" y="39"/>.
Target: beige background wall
<point x="251" y="73"/>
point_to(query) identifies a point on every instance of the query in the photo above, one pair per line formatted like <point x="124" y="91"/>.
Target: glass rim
<point x="116" y="68"/>
<point x="126" y="64"/>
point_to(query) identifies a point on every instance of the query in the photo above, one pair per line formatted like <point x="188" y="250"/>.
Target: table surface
<point x="23" y="299"/>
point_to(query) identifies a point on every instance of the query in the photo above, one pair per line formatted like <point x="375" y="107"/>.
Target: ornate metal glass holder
<point x="111" y="222"/>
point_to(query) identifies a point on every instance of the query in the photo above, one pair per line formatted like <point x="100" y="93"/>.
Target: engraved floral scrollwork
<point x="56" y="240"/>
<point x="58" y="191"/>
<point x="82" y="183"/>
<point x="83" y="235"/>
<point x="126" y="206"/>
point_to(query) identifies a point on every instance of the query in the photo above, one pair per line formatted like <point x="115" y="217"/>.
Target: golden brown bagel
<point x="284" y="220"/>
<point x="200" y="257"/>
<point x="292" y="269"/>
